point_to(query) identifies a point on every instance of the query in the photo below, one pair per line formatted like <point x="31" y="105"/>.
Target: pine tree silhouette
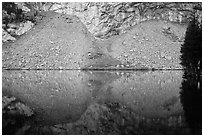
<point x="191" y="50"/>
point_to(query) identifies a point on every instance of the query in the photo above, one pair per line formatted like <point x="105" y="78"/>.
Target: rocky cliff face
<point x="106" y="19"/>
<point x="61" y="41"/>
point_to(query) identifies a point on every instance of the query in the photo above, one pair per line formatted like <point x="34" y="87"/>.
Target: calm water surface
<point x="100" y="102"/>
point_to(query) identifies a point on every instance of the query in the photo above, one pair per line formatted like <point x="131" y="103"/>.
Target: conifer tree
<point x="191" y="50"/>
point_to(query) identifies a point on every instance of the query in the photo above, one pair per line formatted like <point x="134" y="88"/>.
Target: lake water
<point x="99" y="102"/>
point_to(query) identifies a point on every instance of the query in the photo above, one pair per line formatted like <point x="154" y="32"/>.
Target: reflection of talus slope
<point x="55" y="96"/>
<point x="63" y="96"/>
<point x="151" y="94"/>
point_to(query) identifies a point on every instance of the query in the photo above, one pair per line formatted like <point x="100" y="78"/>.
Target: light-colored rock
<point x="24" y="28"/>
<point x="7" y="37"/>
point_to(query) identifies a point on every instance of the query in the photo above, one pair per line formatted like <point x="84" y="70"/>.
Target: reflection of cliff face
<point x="191" y="99"/>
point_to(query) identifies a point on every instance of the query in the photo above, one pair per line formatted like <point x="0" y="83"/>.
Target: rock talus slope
<point x="152" y="44"/>
<point x="61" y="41"/>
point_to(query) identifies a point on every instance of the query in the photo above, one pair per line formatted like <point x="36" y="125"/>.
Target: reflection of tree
<point x="191" y="90"/>
<point x="191" y="99"/>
